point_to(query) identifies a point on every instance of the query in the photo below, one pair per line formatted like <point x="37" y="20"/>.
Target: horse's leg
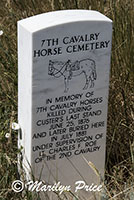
<point x="92" y="84"/>
<point x="87" y="81"/>
<point x="92" y="81"/>
<point x="66" y="81"/>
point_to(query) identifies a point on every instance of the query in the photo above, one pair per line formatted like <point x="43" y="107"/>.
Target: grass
<point x="119" y="176"/>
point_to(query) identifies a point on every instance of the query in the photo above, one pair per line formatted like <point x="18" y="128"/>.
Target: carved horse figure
<point x="69" y="70"/>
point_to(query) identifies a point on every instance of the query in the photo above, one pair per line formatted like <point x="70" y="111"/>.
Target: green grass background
<point x="119" y="175"/>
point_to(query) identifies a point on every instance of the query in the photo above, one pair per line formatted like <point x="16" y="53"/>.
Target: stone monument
<point x="63" y="72"/>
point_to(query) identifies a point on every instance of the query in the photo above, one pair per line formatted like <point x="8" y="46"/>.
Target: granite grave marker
<point x="63" y="72"/>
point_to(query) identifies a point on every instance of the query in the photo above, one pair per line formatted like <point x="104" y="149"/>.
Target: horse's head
<point x="56" y="68"/>
<point x="51" y="68"/>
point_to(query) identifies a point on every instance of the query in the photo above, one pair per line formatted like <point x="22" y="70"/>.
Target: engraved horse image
<point x="69" y="70"/>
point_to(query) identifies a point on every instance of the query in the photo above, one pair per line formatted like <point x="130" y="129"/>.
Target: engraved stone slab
<point x="64" y="64"/>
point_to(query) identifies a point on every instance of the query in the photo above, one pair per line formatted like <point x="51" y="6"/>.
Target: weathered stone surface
<point x="64" y="63"/>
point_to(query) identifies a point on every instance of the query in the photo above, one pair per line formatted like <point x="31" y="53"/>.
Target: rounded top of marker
<point x="49" y="19"/>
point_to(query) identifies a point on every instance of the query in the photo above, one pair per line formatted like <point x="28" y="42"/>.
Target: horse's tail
<point x="94" y="74"/>
<point x="93" y="68"/>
